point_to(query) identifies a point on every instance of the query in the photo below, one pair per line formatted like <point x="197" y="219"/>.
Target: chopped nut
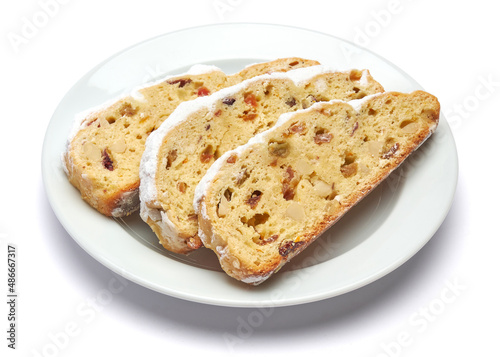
<point x="332" y="206"/>
<point x="118" y="147"/>
<point x="310" y="100"/>
<point x="410" y="128"/>
<point x="223" y="208"/>
<point x="281" y="149"/>
<point x="92" y="151"/>
<point x="374" y="147"/>
<point x="254" y="199"/>
<point x="303" y="167"/>
<point x="289" y="247"/>
<point x="296" y="212"/>
<point x="363" y="169"/>
<point x="103" y="123"/>
<point x="322" y="189"/>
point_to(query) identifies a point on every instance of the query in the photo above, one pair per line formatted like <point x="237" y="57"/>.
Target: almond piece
<point x="410" y="128"/>
<point x="375" y="147"/>
<point x="303" y="167"/>
<point x="118" y="146"/>
<point x="322" y="189"/>
<point x="92" y="151"/>
<point x="296" y="212"/>
<point x="223" y="209"/>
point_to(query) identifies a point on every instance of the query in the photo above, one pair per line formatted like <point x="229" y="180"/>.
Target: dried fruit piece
<point x="264" y="241"/>
<point x="107" y="162"/>
<point x="182" y="82"/>
<point x="203" y="91"/>
<point x="297" y="128"/>
<point x="254" y="199"/>
<point x="171" y="157"/>
<point x="289" y="184"/>
<point x="291" y="102"/>
<point x="249" y="117"/>
<point x="356" y="126"/>
<point x="322" y="136"/>
<point x="391" y="151"/>
<point x="242" y="177"/>
<point x="289" y="247"/>
<point x="349" y="169"/>
<point x="229" y="101"/>
<point x="231" y="159"/>
<point x="207" y="154"/>
<point x="126" y="110"/>
<point x="182" y="186"/>
<point x="374" y="147"/>
<point x="281" y="149"/>
<point x="250" y="99"/>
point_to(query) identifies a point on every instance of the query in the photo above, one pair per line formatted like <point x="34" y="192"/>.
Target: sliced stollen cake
<point x="106" y="144"/>
<point x="302" y="175"/>
<point x="179" y="153"/>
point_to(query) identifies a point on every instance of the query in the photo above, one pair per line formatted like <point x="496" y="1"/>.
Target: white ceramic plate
<point x="376" y="237"/>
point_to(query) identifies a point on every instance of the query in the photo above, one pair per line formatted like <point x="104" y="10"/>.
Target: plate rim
<point x="231" y="302"/>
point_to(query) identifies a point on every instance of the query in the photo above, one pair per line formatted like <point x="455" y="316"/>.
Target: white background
<point x="450" y="47"/>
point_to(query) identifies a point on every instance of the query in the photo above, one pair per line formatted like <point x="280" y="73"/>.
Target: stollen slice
<point x="303" y="175"/>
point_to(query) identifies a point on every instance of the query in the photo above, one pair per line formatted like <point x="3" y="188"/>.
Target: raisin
<point x="218" y="112"/>
<point x="349" y="170"/>
<point x="231" y="159"/>
<point x="126" y="110"/>
<point x="294" y="63"/>
<point x="356" y="126"/>
<point x="281" y="149"/>
<point x="264" y="241"/>
<point x="289" y="184"/>
<point x="207" y="154"/>
<point x="254" y="199"/>
<point x="322" y="136"/>
<point x="171" y="157"/>
<point x="289" y="247"/>
<point x="207" y="127"/>
<point x="250" y="117"/>
<point x="181" y="186"/>
<point x="182" y="82"/>
<point x="291" y="102"/>
<point x="106" y="160"/>
<point x="390" y="153"/>
<point x="228" y="101"/>
<point x="297" y="128"/>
